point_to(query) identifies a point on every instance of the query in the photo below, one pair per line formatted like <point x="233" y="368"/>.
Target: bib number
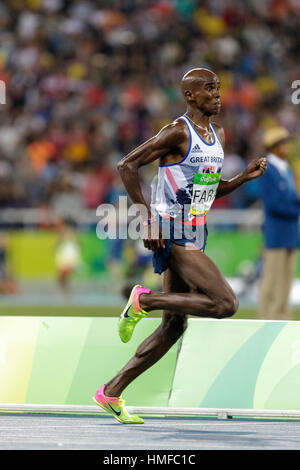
<point x="204" y="192"/>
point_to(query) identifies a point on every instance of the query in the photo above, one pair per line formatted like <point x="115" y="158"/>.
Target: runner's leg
<point x="210" y="294"/>
<point x="192" y="285"/>
<point x="157" y="344"/>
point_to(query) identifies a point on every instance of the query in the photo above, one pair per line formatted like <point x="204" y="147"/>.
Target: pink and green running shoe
<point x="132" y="313"/>
<point x="115" y="406"/>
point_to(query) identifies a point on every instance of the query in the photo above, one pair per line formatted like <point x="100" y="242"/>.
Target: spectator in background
<point x="87" y="81"/>
<point x="7" y="284"/>
<point x="67" y="256"/>
<point x="281" y="228"/>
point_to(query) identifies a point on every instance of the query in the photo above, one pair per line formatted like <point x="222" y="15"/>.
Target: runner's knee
<point x="228" y="306"/>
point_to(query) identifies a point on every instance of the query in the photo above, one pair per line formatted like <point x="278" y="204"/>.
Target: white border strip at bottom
<point x="220" y="413"/>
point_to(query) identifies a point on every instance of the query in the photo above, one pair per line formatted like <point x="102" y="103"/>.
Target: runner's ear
<point x="188" y="95"/>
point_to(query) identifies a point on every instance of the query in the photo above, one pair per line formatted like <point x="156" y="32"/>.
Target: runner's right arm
<point x="169" y="141"/>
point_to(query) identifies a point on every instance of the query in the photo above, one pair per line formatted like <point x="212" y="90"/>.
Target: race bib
<point x="204" y="192"/>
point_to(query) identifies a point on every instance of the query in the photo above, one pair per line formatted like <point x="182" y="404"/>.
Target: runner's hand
<point x="152" y="237"/>
<point x="255" y="168"/>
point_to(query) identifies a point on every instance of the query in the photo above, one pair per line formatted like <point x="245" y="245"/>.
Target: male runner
<point x="190" y="154"/>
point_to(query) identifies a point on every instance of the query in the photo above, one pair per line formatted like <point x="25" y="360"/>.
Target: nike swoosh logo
<point x="118" y="413"/>
<point x="126" y="312"/>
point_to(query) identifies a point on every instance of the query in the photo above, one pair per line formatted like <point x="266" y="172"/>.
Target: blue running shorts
<point x="192" y="236"/>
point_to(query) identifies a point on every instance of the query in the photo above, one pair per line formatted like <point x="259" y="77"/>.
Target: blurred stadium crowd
<point x="89" y="80"/>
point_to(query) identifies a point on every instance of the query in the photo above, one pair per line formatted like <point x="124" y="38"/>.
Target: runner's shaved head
<point x="195" y="77"/>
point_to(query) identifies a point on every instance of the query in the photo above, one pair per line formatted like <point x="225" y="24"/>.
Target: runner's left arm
<point x="255" y="169"/>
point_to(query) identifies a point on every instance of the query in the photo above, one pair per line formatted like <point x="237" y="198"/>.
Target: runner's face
<point x="207" y="96"/>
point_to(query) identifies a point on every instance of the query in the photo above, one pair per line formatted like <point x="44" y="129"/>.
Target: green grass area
<point x="91" y="311"/>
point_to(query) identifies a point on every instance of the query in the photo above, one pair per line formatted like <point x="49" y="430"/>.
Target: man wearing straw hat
<point x="281" y="228"/>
